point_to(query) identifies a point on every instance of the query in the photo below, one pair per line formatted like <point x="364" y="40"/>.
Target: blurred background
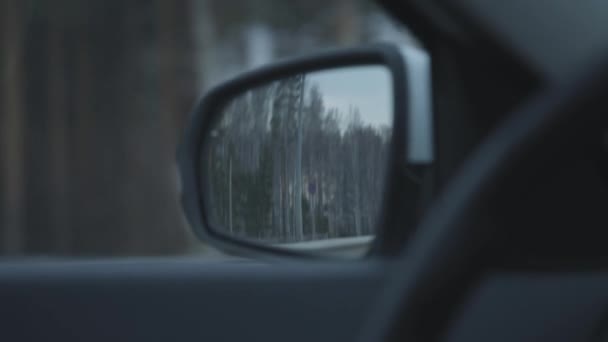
<point x="94" y="96"/>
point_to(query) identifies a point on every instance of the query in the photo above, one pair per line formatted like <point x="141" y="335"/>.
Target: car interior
<point x="506" y="242"/>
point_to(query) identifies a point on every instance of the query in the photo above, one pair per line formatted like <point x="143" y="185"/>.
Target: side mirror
<point x="299" y="158"/>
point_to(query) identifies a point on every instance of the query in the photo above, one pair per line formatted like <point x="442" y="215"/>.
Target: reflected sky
<point x="368" y="88"/>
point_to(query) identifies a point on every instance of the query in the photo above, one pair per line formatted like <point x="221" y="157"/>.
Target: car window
<point x="94" y="97"/>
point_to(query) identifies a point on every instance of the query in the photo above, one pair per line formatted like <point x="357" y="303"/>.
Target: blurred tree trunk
<point x="11" y="127"/>
<point x="99" y="158"/>
<point x="38" y="226"/>
<point x="105" y="100"/>
<point x="158" y="92"/>
<point x="204" y="37"/>
<point x="60" y="239"/>
<point x="348" y="22"/>
<point x="81" y="194"/>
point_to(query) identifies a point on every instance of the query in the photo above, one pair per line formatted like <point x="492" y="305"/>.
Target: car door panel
<point x="186" y="299"/>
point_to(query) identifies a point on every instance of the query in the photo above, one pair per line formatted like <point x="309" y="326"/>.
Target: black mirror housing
<point x="411" y="142"/>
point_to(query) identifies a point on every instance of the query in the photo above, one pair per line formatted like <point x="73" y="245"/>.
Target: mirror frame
<point x="208" y="110"/>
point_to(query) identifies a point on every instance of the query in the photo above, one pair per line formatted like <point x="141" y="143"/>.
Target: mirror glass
<point x="300" y="163"/>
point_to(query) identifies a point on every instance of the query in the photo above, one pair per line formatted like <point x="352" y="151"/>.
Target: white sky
<point x="367" y="87"/>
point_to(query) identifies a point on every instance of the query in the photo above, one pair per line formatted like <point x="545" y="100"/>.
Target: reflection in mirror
<point x="300" y="162"/>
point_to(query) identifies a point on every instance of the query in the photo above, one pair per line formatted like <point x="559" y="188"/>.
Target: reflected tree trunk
<point x="230" y="213"/>
<point x="356" y="184"/>
<point x="298" y="164"/>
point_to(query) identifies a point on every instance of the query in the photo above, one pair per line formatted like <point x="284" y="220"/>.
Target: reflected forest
<point x="284" y="166"/>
